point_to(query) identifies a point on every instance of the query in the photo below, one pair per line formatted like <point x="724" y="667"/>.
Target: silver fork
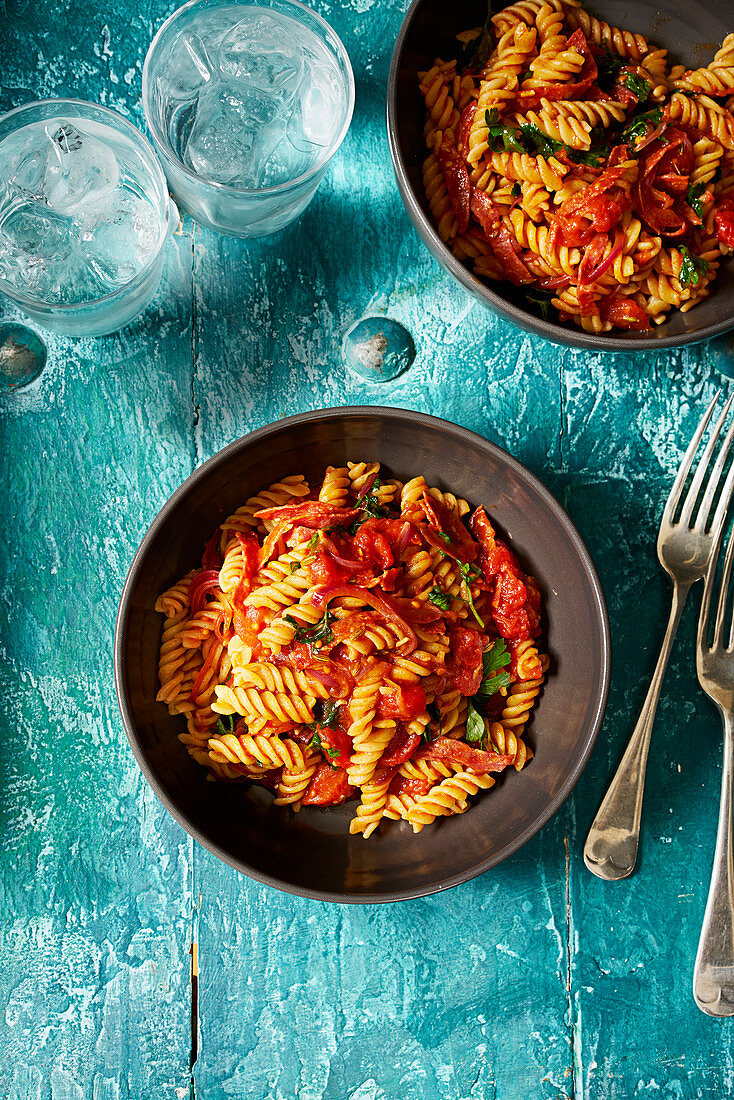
<point x="684" y="549"/>
<point x="713" y="974"/>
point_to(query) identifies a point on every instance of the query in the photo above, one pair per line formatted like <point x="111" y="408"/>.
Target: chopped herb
<point x="516" y="190"/>
<point x="441" y="599"/>
<point x="369" y="507"/>
<point x="502" y="136"/>
<point x="221" y="728"/>
<point x="313" y="540"/>
<point x="328" y="717"/>
<point x="435" y="714"/>
<point x="638" y="85"/>
<point x="475" y="726"/>
<point x="496" y="657"/>
<point x="295" y="566"/>
<point x="692" y="268"/>
<point x="594" y="158"/>
<point x="493" y="684"/>
<point x="538" y="142"/>
<point x="694" y="197"/>
<point x="639" y="125"/>
<point x="608" y="65"/>
<point x="470" y="573"/>
<point x="541" y="299"/>
<point x="444" y="537"/>
<point x="329" y="752"/>
<point x="318" y="634"/>
<point x="477" y="51"/>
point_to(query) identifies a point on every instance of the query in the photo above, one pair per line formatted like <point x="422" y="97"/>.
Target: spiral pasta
<point x="346" y="641"/>
<point x="567" y="157"/>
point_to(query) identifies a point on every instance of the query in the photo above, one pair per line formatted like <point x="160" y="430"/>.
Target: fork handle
<point x="713" y="974"/>
<point x="611" y="846"/>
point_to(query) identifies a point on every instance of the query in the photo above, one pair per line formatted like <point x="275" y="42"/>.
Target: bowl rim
<point x="220" y="458"/>
<point x="523" y="319"/>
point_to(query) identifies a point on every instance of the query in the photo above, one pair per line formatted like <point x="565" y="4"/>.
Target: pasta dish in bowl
<point x="569" y="167"/>
<point x="351" y="649"/>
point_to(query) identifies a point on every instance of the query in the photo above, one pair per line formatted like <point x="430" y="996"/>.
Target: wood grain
<point x="534" y="981"/>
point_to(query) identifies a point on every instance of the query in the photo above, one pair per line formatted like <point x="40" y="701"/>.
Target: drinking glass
<point x="84" y="216"/>
<point x="246" y="103"/>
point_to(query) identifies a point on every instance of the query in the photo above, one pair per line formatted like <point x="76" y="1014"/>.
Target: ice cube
<point x="116" y="238"/>
<point x="20" y="269"/>
<point x="27" y="175"/>
<point x="233" y="135"/>
<point x="320" y="103"/>
<point x="188" y="69"/>
<point x="37" y="231"/>
<point x="72" y="284"/>
<point x="80" y="169"/>
<point x="260" y="52"/>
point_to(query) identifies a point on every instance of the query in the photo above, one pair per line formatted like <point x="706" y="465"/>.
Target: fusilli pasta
<point x="367" y="638"/>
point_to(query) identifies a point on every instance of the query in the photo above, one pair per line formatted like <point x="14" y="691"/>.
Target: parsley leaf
<point x="638" y="125"/>
<point x="441" y="599"/>
<point x="295" y="566"/>
<point x="313" y="541"/>
<point x="638" y="85"/>
<point x="541" y="299"/>
<point x="445" y="538"/>
<point x="494" y="659"/>
<point x="477" y="51"/>
<point x="329" y="752"/>
<point x="435" y="714"/>
<point x="538" y="142"/>
<point x="502" y="136"/>
<point x="221" y="728"/>
<point x="475" y="727"/>
<point x="608" y="65"/>
<point x="593" y="157"/>
<point x="692" y="268"/>
<point x="320" y="633"/>
<point x="370" y="507"/>
<point x="328" y="716"/>
<point x="693" y="198"/>
<point x="470" y="573"/>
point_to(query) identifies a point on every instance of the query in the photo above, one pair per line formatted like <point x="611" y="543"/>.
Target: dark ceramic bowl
<point x="688" y="29"/>
<point x="312" y="853"/>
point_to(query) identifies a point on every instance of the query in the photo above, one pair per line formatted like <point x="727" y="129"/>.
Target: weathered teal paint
<point x="535" y="981"/>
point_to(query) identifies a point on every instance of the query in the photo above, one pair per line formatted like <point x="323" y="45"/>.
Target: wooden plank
<point x="96" y="878"/>
<point x="426" y="999"/>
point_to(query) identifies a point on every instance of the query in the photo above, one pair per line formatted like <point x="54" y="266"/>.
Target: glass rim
<point x="163" y="145"/>
<point x="20" y="296"/>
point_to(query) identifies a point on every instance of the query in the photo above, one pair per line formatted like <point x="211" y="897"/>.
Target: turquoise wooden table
<point x="536" y="980"/>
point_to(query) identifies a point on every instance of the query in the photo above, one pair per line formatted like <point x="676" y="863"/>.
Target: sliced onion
<point x="204" y="581"/>
<point x="606" y="264"/>
<point x="336" y="680"/>
<point x="384" y="606"/>
<point x="366" y="488"/>
<point x="652" y="136"/>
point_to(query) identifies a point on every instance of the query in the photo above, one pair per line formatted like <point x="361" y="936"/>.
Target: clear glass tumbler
<point x="84" y="216"/>
<point x="247" y="103"/>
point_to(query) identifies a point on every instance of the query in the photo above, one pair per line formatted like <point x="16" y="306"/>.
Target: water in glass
<point x="75" y="225"/>
<point x="249" y="97"/>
